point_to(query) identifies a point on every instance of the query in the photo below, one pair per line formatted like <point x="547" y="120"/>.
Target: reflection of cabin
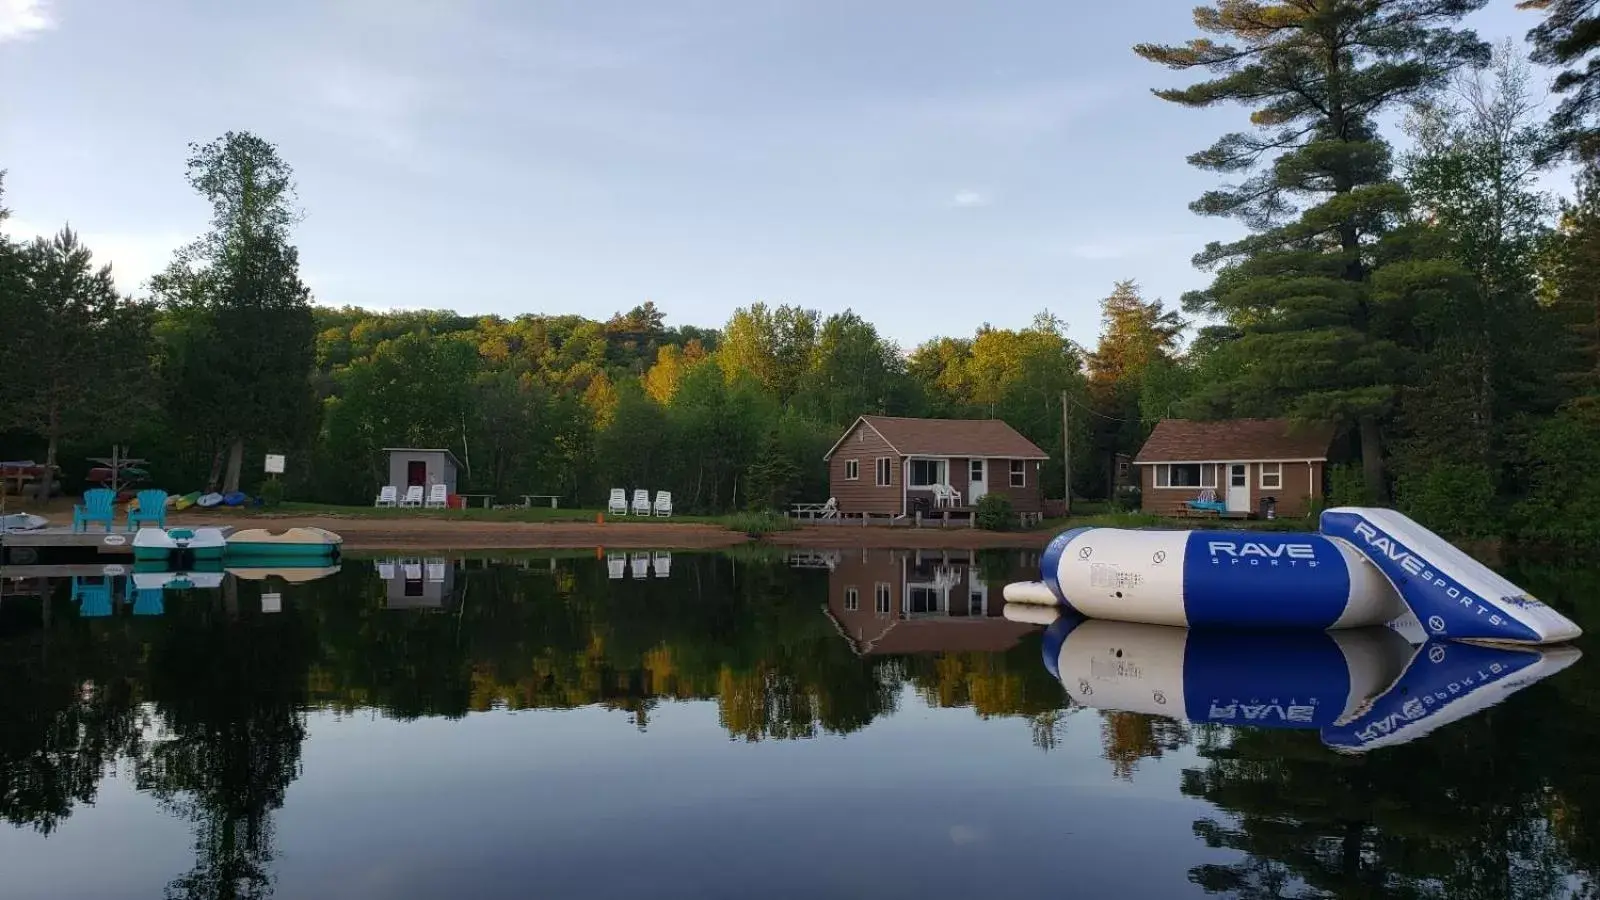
<point x="917" y="601"/>
<point x="418" y="583"/>
<point x="412" y="467"/>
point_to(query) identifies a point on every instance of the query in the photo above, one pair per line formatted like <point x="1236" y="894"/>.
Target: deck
<point x="62" y="537"/>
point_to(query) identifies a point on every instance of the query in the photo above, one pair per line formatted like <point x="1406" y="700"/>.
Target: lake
<point x="818" y="724"/>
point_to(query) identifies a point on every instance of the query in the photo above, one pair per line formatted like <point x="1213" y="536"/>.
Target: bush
<point x="270" y="492"/>
<point x="1347" y="486"/>
<point x="1130" y="498"/>
<point x="994" y="512"/>
<point x="1564" y="474"/>
<point x="756" y="524"/>
<point x="1455" y="499"/>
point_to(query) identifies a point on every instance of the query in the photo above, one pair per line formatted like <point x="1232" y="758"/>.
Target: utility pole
<point x="1066" y="454"/>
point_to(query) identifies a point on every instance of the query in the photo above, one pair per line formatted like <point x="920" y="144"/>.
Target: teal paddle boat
<point x="160" y="544"/>
<point x="298" y="546"/>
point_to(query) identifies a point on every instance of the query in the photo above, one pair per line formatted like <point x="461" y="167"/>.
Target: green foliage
<point x="270" y="493"/>
<point x="1455" y="499"/>
<point x="757" y="524"/>
<point x="1347" y="486"/>
<point x="1568" y="36"/>
<point x="993" y="513"/>
<point x="1564" y="476"/>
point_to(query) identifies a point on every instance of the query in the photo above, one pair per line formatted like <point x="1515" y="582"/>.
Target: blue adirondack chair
<point x="96" y="507"/>
<point x="152" y="509"/>
<point x="93" y="596"/>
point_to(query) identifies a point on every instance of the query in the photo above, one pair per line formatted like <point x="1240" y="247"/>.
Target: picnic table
<point x="527" y="499"/>
<point x="487" y="499"/>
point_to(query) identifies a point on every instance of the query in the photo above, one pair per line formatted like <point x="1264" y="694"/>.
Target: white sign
<point x="274" y="463"/>
<point x="271" y="603"/>
<point x="114" y="540"/>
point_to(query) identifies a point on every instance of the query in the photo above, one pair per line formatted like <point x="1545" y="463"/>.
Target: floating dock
<point x="28" y="547"/>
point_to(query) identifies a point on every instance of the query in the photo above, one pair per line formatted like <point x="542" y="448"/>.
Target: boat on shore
<point x="306" y="545"/>
<point x="158" y="544"/>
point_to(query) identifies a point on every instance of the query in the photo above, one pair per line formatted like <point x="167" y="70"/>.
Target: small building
<point x="904" y="602"/>
<point x="418" y="583"/>
<point x="885" y="465"/>
<point x="1242" y="460"/>
<point x="413" y="467"/>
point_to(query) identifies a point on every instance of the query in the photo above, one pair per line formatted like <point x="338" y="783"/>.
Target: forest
<point x="1419" y="267"/>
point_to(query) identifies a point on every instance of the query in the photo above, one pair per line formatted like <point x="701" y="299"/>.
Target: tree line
<point x="1406" y="275"/>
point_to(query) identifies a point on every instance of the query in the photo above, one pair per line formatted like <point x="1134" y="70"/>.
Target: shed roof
<point x="453" y="459"/>
<point x="948" y="437"/>
<point x="1231" y="440"/>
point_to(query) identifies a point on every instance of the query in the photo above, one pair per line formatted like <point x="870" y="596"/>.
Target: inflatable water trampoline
<point x="1363" y="567"/>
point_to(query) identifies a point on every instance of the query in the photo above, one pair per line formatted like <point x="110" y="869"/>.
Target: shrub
<point x="1130" y="498"/>
<point x="270" y="492"/>
<point x="756" y="524"/>
<point x="1454" y="499"/>
<point x="994" y="512"/>
<point x="1347" y="486"/>
<point x="1564" y="474"/>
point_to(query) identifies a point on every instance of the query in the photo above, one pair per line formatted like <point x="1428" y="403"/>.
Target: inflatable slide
<point x="1364" y="567"/>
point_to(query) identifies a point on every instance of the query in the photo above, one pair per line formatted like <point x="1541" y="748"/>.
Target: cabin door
<point x="977" y="484"/>
<point x="416" y="473"/>
<point x="1238" y="488"/>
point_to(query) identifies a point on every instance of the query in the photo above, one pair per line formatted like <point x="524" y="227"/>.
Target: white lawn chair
<point x="641" y="502"/>
<point x="616" y="565"/>
<point x="412" y="569"/>
<point x="413" y="498"/>
<point x="388" y="496"/>
<point x="664" y="504"/>
<point x="830" y="510"/>
<point x="663" y="563"/>
<point x="619" y="502"/>
<point x="436" y="570"/>
<point x="438" y="497"/>
<point x="386" y="569"/>
<point x="640" y="565"/>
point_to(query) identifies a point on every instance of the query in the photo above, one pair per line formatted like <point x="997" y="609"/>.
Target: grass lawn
<point x="472" y="514"/>
<point x="1146" y="520"/>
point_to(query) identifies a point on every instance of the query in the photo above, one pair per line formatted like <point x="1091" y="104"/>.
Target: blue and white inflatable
<point x="1365" y="567"/>
<point x="1361" y="689"/>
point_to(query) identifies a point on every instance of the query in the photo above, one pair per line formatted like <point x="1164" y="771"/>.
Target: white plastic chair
<point x="641" y="502"/>
<point x="663" y="563"/>
<point x="436" y="570"/>
<point x="412" y="569"/>
<point x="830" y="510"/>
<point x="413" y="497"/>
<point x="619" y="502"/>
<point x="386" y="569"/>
<point x="616" y="564"/>
<point x="664" y="504"/>
<point x="640" y="565"/>
<point x="388" y="496"/>
<point x="438" y="497"/>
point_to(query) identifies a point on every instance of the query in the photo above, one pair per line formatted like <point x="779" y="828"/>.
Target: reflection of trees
<point x="1126" y="738"/>
<point x="229" y="693"/>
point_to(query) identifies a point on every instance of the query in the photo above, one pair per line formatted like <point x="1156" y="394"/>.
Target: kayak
<point x="235" y="498"/>
<point x="186" y="501"/>
<point x="207" y="501"/>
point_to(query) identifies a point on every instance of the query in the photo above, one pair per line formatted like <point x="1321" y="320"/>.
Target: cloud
<point x="21" y="19"/>
<point x="969" y="198"/>
<point x="134" y="257"/>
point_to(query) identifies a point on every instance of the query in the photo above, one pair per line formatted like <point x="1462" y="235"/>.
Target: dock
<point x="28" y="546"/>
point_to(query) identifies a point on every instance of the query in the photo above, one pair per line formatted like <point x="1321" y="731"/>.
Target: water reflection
<point x="208" y="691"/>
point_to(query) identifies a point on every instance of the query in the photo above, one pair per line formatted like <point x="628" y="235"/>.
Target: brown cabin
<point x="1240" y="461"/>
<point x="913" y="602"/>
<point x="884" y="464"/>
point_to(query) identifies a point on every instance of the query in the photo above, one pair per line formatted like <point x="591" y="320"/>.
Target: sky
<point x="932" y="164"/>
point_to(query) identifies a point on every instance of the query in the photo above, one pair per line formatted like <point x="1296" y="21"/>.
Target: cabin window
<point x="923" y="600"/>
<point x="928" y="472"/>
<point x="852" y="470"/>
<point x="1272" y="475"/>
<point x="885" y="471"/>
<point x="1019" y="473"/>
<point x="1186" y="475"/>
<point x="880" y="598"/>
<point x="852" y="599"/>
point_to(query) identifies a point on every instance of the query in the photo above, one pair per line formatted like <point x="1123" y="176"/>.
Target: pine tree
<point x="1569" y="34"/>
<point x="1316" y="190"/>
<point x="1136" y="336"/>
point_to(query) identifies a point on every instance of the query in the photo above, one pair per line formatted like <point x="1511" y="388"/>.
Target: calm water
<point x="848" y="725"/>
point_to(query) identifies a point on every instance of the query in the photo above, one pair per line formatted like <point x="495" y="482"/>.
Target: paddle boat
<point x="294" y="572"/>
<point x="1364" y="567"/>
<point x="297" y="546"/>
<point x="1360" y="688"/>
<point x="152" y="544"/>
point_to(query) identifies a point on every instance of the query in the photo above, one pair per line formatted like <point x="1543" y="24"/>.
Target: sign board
<point x="114" y="540"/>
<point x="271" y="603"/>
<point x="275" y="463"/>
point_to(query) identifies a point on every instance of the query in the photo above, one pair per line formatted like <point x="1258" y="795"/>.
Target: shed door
<point x="416" y="473"/>
<point x="1239" y="488"/>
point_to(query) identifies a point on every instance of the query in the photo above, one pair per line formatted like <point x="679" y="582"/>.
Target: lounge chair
<point x="386" y="569"/>
<point x="945" y="496"/>
<point x="438" y="497"/>
<point x="664" y="504"/>
<point x="616" y="565"/>
<point x="639" y="565"/>
<point x="96" y="507"/>
<point x="830" y="510"/>
<point x="662" y="563"/>
<point x="436" y="568"/>
<point x="412" y="569"/>
<point x="1206" y="503"/>
<point x="619" y="502"/>
<point x="641" y="502"/>
<point x="389" y="495"/>
<point x="147" y="601"/>
<point x="152" y="509"/>
<point x="93" y="595"/>
<point x="413" y="497"/>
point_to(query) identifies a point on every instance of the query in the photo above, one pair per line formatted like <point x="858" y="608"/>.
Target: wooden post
<point x="1066" y="455"/>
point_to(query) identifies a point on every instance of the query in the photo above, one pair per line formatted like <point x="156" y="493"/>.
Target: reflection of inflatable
<point x="1300" y="679"/>
<point x="1365" y="568"/>
<point x="159" y="544"/>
